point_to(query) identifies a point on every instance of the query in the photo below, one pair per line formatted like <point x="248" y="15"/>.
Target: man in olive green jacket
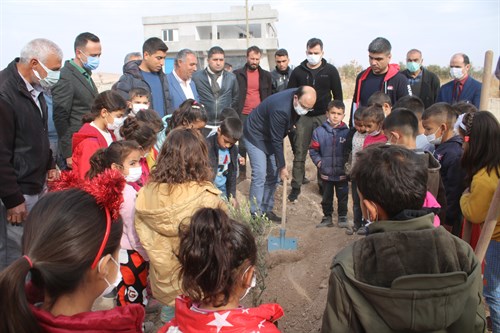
<point x="406" y="275"/>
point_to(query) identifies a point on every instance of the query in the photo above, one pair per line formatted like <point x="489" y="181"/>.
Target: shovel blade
<point x="281" y="243"/>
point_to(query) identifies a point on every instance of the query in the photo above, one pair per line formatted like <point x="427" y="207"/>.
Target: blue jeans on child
<point x="264" y="179"/>
<point x="492" y="287"/>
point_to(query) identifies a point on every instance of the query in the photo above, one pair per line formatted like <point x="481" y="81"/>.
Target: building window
<point x="171" y="35"/>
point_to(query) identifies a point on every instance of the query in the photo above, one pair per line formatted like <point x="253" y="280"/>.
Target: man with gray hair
<point x="179" y="81"/>
<point x="25" y="158"/>
<point x="132" y="56"/>
<point x="380" y="76"/>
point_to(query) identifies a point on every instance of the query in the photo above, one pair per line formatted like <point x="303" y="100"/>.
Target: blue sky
<point x="438" y="28"/>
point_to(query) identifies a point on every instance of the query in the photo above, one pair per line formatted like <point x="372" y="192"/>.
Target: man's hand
<point x="17" y="214"/>
<point x="284" y="174"/>
<point x="53" y="174"/>
<point x="242" y="160"/>
<point x="69" y="162"/>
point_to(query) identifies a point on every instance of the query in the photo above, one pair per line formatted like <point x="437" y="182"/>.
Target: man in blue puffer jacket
<point x="327" y="153"/>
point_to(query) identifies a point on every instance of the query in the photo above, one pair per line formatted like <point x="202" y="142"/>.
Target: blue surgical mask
<point x="412" y="66"/>
<point x="50" y="80"/>
<point x="92" y="62"/>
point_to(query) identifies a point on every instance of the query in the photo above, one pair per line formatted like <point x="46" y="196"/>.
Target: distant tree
<point x="350" y="71"/>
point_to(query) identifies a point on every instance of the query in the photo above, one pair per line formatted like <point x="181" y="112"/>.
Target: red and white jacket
<point x="193" y="320"/>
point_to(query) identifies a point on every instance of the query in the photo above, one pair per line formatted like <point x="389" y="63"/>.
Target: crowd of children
<point x="155" y="191"/>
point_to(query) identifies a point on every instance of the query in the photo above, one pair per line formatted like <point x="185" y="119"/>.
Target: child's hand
<point x="242" y="160"/>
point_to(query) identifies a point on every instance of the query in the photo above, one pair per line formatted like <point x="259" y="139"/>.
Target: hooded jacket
<point x="327" y="147"/>
<point x="395" y="85"/>
<point x="240" y="320"/>
<point x="405" y="276"/>
<point x="25" y="155"/>
<point x="132" y="78"/>
<point x="449" y="155"/>
<point x="121" y="319"/>
<point x="85" y="143"/>
<point x="160" y="210"/>
<point x="326" y="83"/>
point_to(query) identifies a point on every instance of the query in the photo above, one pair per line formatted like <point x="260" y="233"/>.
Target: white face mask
<point x="313" y="59"/>
<point x="252" y="284"/>
<point x="456" y="73"/>
<point x="138" y="107"/>
<point x="116" y="124"/>
<point x="50" y="80"/>
<point x="117" y="280"/>
<point x="374" y="133"/>
<point x="300" y="110"/>
<point x="134" y="174"/>
<point x="432" y="138"/>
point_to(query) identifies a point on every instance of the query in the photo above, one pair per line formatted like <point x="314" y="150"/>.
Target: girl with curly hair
<point x="179" y="184"/>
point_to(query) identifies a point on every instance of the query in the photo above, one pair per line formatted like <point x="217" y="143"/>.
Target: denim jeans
<point x="264" y="179"/>
<point x="10" y="235"/>
<point x="492" y="287"/>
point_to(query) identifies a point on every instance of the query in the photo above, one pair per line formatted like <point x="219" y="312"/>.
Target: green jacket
<point x="405" y="276"/>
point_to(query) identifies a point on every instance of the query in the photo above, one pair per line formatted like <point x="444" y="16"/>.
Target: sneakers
<point x="362" y="231"/>
<point x="350" y="231"/>
<point x="273" y="217"/>
<point x="292" y="197"/>
<point x="343" y="222"/>
<point x="326" y="221"/>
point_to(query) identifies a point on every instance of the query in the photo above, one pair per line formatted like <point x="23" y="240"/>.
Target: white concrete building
<point x="199" y="32"/>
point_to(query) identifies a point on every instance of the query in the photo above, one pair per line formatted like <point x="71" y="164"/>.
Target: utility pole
<point x="248" y="28"/>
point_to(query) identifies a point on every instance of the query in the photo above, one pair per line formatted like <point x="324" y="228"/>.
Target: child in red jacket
<point x="105" y="116"/>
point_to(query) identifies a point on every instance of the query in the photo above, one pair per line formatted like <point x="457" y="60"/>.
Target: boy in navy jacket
<point x="327" y="153"/>
<point x="438" y="121"/>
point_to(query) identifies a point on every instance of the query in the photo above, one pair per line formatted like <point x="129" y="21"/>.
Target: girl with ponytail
<point x="481" y="161"/>
<point x="217" y="257"/>
<point x="70" y="244"/>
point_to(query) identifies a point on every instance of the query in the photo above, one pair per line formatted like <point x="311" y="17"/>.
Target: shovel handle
<point x="284" y="198"/>
<point x="489" y="225"/>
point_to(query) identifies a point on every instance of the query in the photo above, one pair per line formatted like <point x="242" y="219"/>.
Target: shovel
<point x="281" y="242"/>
